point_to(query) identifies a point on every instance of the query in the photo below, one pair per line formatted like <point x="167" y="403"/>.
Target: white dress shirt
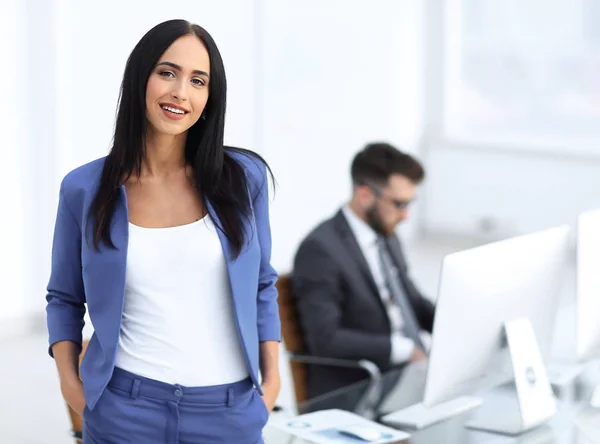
<point x="402" y="347"/>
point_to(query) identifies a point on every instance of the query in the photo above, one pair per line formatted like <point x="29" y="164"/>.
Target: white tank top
<point x="178" y="323"/>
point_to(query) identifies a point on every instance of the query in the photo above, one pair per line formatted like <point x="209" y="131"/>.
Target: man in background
<point x="353" y="293"/>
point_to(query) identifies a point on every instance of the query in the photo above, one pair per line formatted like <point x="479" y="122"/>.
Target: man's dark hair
<point x="378" y="161"/>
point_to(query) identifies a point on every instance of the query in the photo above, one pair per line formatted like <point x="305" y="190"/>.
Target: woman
<point x="167" y="240"/>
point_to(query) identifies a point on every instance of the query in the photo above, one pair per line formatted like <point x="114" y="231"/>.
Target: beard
<point x="375" y="222"/>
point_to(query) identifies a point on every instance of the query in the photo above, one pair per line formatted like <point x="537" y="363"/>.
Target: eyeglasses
<point x="398" y="204"/>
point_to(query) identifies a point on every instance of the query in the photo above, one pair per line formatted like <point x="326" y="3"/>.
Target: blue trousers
<point x="134" y="409"/>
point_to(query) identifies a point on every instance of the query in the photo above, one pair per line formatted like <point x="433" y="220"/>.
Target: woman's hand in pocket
<point x="270" y="392"/>
<point x="72" y="391"/>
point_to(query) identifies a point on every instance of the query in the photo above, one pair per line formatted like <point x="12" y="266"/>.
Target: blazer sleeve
<point x="65" y="298"/>
<point x="269" y="324"/>
<point x="320" y="303"/>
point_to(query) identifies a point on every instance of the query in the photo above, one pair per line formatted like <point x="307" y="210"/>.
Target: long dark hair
<point x="219" y="178"/>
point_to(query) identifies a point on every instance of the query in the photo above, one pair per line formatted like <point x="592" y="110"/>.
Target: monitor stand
<point x="535" y="398"/>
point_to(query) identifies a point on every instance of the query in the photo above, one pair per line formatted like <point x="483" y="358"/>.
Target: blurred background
<point x="499" y="99"/>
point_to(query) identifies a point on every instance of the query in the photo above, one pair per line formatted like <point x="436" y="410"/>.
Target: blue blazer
<point x="82" y="275"/>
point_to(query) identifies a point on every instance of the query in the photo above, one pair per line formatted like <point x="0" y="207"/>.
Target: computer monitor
<point x="481" y="289"/>
<point x="588" y="286"/>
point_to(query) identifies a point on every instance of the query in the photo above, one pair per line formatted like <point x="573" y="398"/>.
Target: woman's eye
<point x="167" y="74"/>
<point x="197" y="81"/>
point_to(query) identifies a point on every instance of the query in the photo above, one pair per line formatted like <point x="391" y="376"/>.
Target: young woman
<point x="167" y="240"/>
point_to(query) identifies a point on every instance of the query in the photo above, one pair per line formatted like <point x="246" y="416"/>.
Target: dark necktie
<point x="397" y="293"/>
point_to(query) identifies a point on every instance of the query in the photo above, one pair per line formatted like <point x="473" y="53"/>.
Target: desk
<point x="574" y="423"/>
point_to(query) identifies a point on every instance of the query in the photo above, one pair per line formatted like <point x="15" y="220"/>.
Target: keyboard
<point x="418" y="416"/>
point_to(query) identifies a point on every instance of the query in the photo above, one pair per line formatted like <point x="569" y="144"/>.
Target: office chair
<point x="299" y="359"/>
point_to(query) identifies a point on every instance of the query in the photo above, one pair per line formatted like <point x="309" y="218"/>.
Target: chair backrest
<point x="76" y="420"/>
<point x="292" y="333"/>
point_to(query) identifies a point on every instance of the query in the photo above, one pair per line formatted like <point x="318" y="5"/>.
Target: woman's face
<point x="177" y="88"/>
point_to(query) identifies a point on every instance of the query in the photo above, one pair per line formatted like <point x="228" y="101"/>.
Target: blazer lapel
<point x="105" y="272"/>
<point x="120" y="238"/>
<point x="120" y="229"/>
<point x="352" y="247"/>
<point x="112" y="261"/>
<point x="234" y="267"/>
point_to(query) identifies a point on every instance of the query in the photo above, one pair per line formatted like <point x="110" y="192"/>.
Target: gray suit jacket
<point x="340" y="309"/>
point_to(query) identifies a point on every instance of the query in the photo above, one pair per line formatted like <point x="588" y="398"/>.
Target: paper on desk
<point x="323" y="427"/>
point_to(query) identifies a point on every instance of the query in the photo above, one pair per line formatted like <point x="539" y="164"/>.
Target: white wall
<point x="40" y="149"/>
<point x="517" y="191"/>
<point x="14" y="172"/>
<point x="494" y="189"/>
<point x="334" y="76"/>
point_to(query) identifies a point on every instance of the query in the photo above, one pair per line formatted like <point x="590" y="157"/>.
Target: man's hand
<point x="72" y="391"/>
<point x="417" y="355"/>
<point x="270" y="393"/>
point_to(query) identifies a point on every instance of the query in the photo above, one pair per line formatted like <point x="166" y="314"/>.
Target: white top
<point x="402" y="347"/>
<point x="178" y="323"/>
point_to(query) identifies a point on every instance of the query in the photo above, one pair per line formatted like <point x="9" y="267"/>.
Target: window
<point x="523" y="72"/>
